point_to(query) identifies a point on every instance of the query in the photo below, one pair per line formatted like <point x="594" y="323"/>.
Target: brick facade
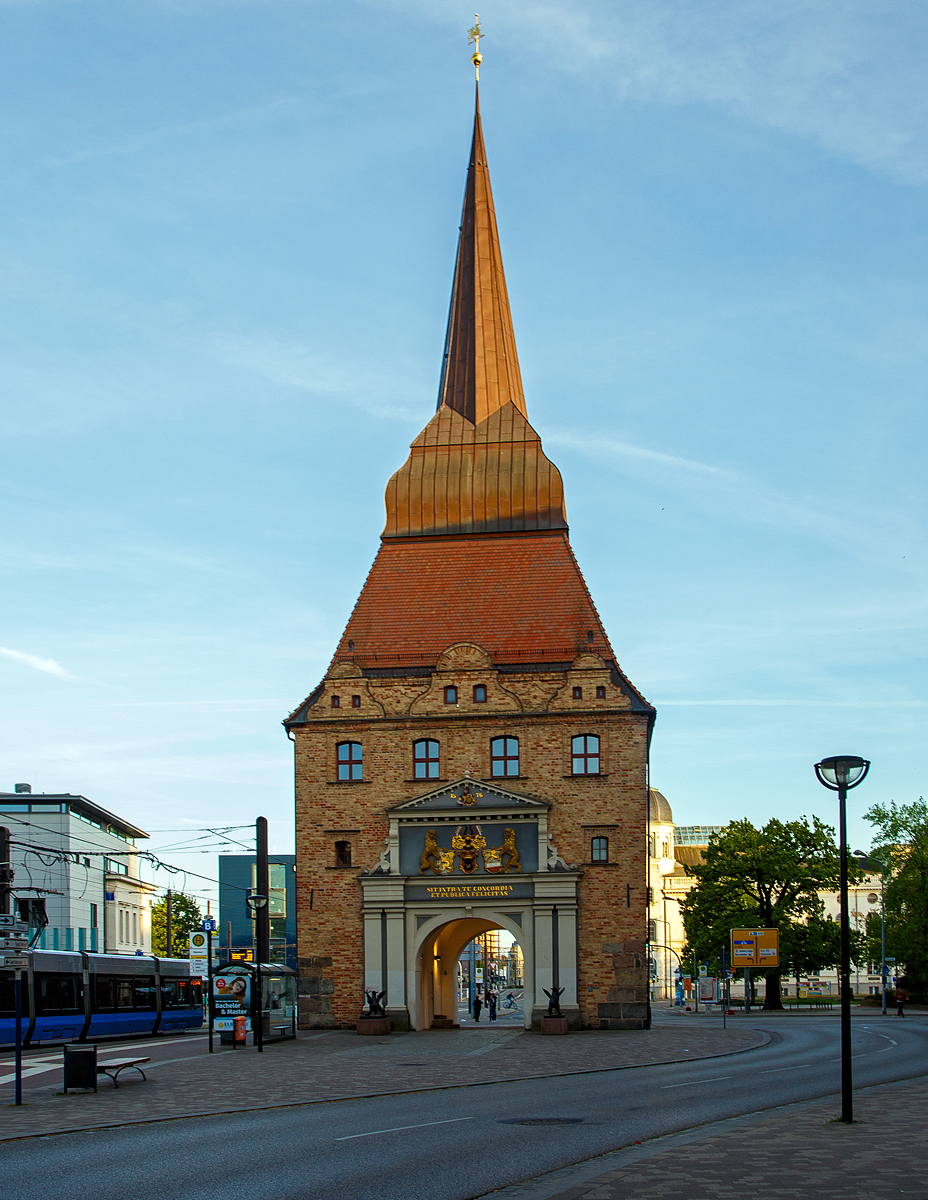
<point x="475" y="586"/>
<point x="538" y="708"/>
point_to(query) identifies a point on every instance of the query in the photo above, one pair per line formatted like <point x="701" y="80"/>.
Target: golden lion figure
<point x="433" y="858"/>
<point x="510" y="853"/>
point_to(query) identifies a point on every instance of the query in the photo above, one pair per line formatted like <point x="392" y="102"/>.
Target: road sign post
<point x="754" y="948"/>
<point x="209" y="985"/>
<point x="18" y="989"/>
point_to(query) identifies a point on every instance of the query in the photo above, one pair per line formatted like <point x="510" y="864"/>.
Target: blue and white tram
<point x="79" y="996"/>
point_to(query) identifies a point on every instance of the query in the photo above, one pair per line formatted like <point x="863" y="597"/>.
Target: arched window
<point x="584" y="753"/>
<point x="599" y="849"/>
<point x="504" y="757"/>
<point x="336" y="702"/>
<point x="480" y="693"/>
<point x="343" y="854"/>
<point x="578" y="693"/>
<point x="665" y="849"/>
<point x="601" y="693"/>
<point x="425" y="759"/>
<point x="451" y="695"/>
<point x="350" y="760"/>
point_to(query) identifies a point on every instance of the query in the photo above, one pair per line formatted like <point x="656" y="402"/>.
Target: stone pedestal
<point x="556" y="1025"/>
<point x="373" y="1026"/>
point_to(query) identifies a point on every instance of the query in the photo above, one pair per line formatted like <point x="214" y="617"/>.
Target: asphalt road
<point x="463" y="1142"/>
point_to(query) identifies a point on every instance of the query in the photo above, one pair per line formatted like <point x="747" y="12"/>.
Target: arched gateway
<point x="474" y="757"/>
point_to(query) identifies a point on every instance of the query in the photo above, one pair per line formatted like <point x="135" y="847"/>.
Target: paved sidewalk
<point x="341" y="1065"/>
<point x="798" y="1150"/>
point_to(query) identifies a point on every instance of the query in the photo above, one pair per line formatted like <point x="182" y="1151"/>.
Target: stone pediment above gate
<point x="468" y="795"/>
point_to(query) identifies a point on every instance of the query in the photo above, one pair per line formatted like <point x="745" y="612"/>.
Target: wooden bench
<point x="115" y="1065"/>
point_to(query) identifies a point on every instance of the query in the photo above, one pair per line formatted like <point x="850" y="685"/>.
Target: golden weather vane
<point x="474" y="36"/>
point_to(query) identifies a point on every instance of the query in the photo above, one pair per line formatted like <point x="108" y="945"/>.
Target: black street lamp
<point x="839" y="774"/>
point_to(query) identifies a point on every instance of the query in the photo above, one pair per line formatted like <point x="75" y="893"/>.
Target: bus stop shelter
<point x="234" y="995"/>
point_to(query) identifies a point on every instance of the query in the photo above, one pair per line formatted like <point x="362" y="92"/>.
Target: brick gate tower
<point x="474" y="757"/>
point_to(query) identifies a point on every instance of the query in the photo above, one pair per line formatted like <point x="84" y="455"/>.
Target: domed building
<point x="671" y="850"/>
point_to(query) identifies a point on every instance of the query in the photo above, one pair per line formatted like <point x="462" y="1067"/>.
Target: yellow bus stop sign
<point x="755" y="948"/>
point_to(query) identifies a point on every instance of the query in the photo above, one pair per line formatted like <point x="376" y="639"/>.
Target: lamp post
<point x="840" y="774"/>
<point x="257" y="905"/>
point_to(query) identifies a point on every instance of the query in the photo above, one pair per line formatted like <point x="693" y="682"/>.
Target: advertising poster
<point x="231" y="999"/>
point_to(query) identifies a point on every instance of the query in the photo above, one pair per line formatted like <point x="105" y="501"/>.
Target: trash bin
<point x="80" y="1067"/>
<point x="240" y="1024"/>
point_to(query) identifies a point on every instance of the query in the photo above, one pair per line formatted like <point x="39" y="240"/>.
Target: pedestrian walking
<point x="478" y="1004"/>
<point x="900" y="996"/>
<point x="492" y="1001"/>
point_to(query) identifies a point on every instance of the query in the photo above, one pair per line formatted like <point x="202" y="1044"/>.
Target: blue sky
<point x="229" y="236"/>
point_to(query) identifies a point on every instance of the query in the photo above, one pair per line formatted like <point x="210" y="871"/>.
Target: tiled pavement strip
<point x="341" y="1065"/>
<point x="796" y="1150"/>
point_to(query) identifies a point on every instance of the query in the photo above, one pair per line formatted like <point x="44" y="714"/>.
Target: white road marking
<point x="57" y="1061"/>
<point x="397" y="1128"/>
<point x="27" y="1071"/>
<point x="776" y="1070"/>
<point x="693" y="1082"/>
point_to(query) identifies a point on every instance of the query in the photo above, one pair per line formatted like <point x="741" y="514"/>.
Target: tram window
<point x="144" y="989"/>
<point x="125" y="997"/>
<point x="105" y="992"/>
<point x="57" y="995"/>
<point x="8" y="995"/>
<point x="180" y="993"/>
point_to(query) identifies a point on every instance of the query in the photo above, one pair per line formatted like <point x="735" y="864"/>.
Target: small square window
<point x="480" y="694"/>
<point x="599" y="850"/>
<point x="578" y="693"/>
<point x="355" y="701"/>
<point x="600" y="693"/>
<point x="451" y="695"/>
<point x="336" y="702"/>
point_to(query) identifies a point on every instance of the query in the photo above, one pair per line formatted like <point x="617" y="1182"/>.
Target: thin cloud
<point x="848" y="76"/>
<point x="164" y="133"/>
<point x="297" y="366"/>
<point x="606" y="446"/>
<point x="50" y="666"/>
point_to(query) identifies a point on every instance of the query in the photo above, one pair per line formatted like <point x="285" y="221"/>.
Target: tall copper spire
<point x="480" y="372"/>
<point x="478" y="466"/>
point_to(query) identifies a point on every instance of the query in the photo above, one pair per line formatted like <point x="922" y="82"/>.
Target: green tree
<point x="767" y="877"/>
<point x="902" y="848"/>
<point x="186" y="918"/>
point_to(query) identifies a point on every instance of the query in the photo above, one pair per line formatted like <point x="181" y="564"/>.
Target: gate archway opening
<point x="437" y="968"/>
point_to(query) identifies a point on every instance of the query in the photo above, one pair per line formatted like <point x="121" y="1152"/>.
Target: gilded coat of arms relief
<point x="469" y="846"/>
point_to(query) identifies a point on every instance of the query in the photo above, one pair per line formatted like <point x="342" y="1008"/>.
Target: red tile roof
<point x="520" y="597"/>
